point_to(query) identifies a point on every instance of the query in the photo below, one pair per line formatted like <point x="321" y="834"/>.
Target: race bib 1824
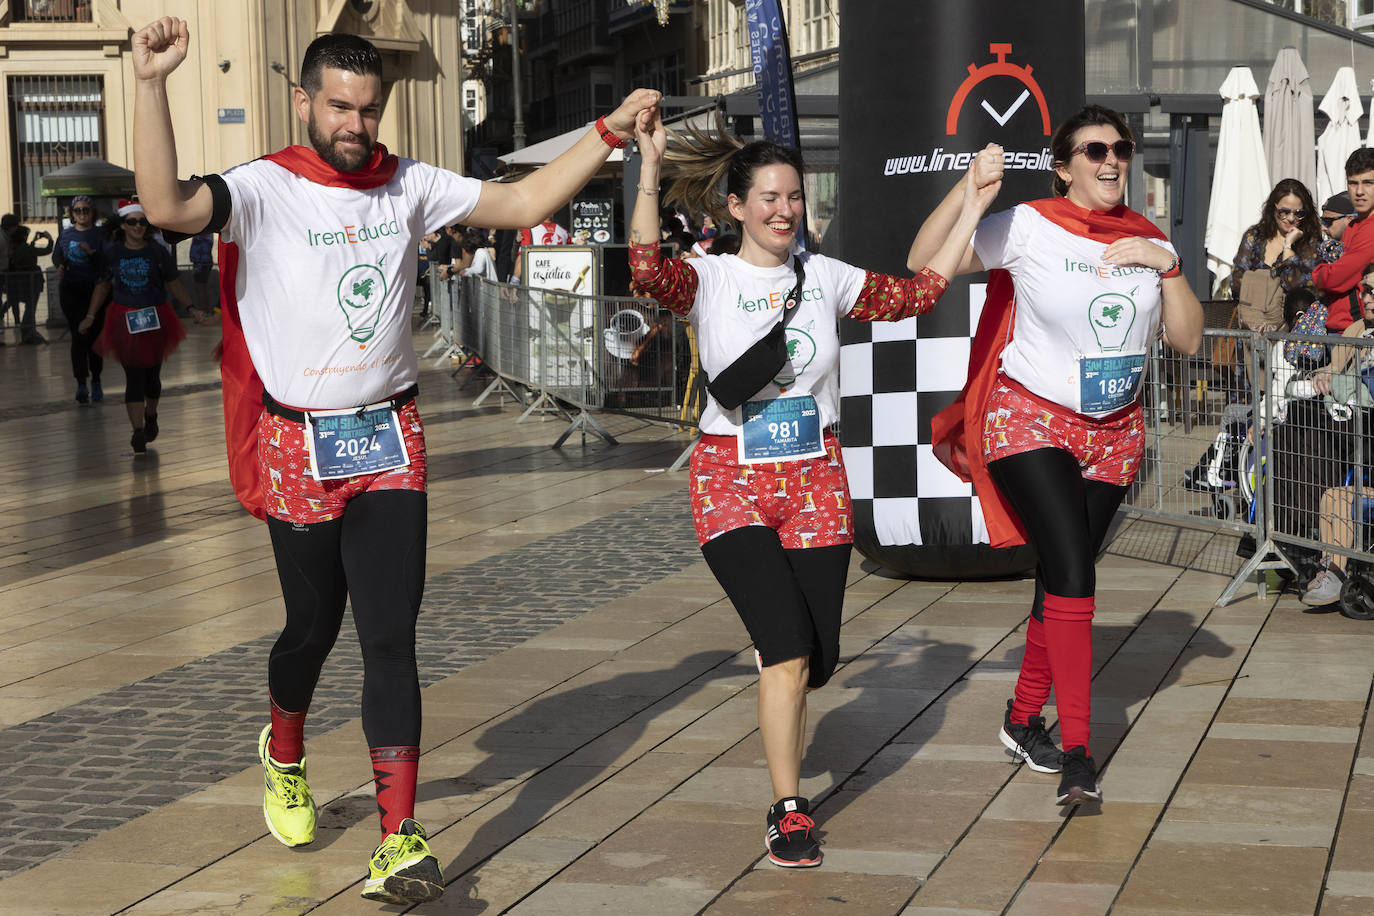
<point x="1109" y="383"/>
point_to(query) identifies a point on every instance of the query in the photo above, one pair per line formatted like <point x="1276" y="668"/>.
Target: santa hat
<point x="129" y="206"/>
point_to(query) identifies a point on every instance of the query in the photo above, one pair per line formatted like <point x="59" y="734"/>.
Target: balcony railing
<point x="50" y="11"/>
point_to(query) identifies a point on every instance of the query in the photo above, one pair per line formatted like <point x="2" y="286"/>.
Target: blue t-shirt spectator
<point x="202" y="248"/>
<point x="79" y="252"/>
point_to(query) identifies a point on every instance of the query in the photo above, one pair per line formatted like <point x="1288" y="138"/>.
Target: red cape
<point x="960" y="425"/>
<point x="242" y="388"/>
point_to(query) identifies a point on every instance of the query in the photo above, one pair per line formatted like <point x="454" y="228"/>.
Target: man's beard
<point x="342" y="160"/>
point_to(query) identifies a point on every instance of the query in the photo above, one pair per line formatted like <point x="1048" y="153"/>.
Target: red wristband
<point x="1175" y="269"/>
<point x="608" y="135"/>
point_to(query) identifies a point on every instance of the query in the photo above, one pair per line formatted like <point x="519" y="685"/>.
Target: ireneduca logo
<point x="942" y="160"/>
<point x="352" y="235"/>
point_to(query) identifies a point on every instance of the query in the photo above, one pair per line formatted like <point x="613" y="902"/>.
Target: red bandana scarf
<point x="305" y="162"/>
<point x="957" y="431"/>
<point x="242" y="391"/>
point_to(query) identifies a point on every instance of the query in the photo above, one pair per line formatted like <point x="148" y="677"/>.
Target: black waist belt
<point x="298" y="416"/>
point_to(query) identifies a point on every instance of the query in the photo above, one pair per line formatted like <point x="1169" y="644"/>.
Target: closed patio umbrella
<point x="1289" y="131"/>
<point x="1240" y="181"/>
<point x="1342" y="136"/>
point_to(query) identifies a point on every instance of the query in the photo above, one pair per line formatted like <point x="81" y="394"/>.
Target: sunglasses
<point x="1287" y="213"/>
<point x="1328" y="220"/>
<point x="1365" y="290"/>
<point x="135" y="221"/>
<point x="1096" y="150"/>
<point x="81" y="209"/>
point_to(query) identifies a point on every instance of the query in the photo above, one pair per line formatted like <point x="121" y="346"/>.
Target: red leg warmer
<point x="1069" y="645"/>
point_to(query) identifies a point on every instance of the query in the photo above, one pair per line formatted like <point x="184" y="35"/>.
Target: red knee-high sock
<point x="1033" y="683"/>
<point x="394" y="772"/>
<point x="1069" y="645"/>
<point x="287" y="744"/>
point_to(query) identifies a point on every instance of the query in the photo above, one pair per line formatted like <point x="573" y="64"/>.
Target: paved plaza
<point x="590" y="743"/>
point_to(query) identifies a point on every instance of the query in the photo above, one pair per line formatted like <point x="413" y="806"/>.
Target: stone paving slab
<point x="591" y="740"/>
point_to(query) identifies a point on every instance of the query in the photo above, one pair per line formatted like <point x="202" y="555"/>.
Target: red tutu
<point x="144" y="349"/>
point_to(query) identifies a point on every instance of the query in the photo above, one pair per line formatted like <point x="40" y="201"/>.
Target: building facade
<point x="813" y="34"/>
<point x="67" y="74"/>
<point x="577" y="59"/>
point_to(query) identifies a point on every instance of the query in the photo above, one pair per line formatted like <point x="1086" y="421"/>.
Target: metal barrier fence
<point x="1251" y="436"/>
<point x="46" y="294"/>
<point x="1240" y="438"/>
<point x="566" y="353"/>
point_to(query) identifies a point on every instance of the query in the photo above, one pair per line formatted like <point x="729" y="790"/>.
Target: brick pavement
<point x="73" y="774"/>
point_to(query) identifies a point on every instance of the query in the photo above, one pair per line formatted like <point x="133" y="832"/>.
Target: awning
<point x="545" y="151"/>
<point x="1166" y="49"/>
<point x="92" y="176"/>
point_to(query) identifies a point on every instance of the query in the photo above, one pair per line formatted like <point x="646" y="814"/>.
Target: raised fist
<point x="160" y="47"/>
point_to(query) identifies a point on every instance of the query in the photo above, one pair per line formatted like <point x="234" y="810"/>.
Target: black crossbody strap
<point x="789" y="305"/>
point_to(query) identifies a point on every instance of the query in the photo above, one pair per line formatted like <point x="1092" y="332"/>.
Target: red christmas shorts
<point x="293" y="495"/>
<point x="1107" y="448"/>
<point x="806" y="502"/>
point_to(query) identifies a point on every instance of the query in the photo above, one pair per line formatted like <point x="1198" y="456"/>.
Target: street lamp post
<point x="519" y="129"/>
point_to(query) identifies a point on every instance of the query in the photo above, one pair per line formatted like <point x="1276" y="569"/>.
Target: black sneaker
<point x="150" y="426"/>
<point x="83" y="395"/>
<point x="1031" y="743"/>
<point x="789" y="840"/>
<point x="139" y="442"/>
<point x="1079" y="782"/>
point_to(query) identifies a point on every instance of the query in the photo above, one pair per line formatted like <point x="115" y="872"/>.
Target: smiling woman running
<point x="770" y="500"/>
<point x="1079" y="286"/>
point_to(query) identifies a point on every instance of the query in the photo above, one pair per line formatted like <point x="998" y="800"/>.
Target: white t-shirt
<point x="482" y="265"/>
<point x="737" y="303"/>
<point x="326" y="277"/>
<point x="1071" y="306"/>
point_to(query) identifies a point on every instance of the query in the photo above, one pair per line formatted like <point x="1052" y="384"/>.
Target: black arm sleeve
<point x="219" y="215"/>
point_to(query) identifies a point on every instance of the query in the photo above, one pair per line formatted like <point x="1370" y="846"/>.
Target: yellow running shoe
<point x="403" y="870"/>
<point x="287" y="806"/>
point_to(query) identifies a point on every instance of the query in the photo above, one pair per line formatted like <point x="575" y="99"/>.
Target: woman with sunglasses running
<point x="1049" y="427"/>
<point x="78" y="260"/>
<point x="140" y="328"/>
<point x="1284" y="242"/>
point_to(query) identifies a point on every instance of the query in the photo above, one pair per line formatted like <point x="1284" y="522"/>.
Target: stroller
<point x="1224" y="468"/>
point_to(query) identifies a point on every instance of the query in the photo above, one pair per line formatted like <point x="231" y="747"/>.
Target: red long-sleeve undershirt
<point x="882" y="298"/>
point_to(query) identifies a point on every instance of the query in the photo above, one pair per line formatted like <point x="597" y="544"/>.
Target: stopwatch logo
<point x="978" y="75"/>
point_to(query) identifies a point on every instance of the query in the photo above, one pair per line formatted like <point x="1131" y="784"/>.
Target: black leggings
<point x="142" y="383"/>
<point x="75" y="297"/>
<point x="1066" y="517"/>
<point x="375" y="555"/>
<point x="790" y="600"/>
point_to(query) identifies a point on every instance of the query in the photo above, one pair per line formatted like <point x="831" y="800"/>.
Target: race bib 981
<point x="780" y="429"/>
